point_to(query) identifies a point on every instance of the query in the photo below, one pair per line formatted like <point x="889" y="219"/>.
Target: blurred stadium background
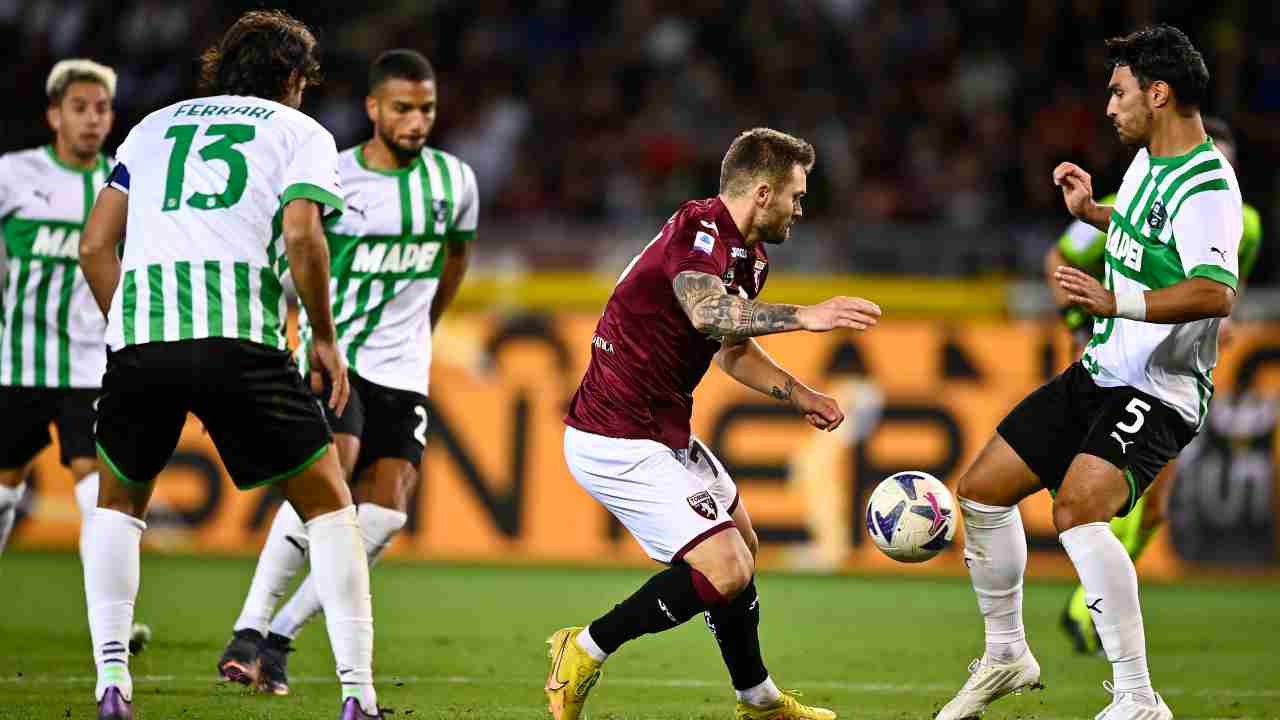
<point x="936" y="124"/>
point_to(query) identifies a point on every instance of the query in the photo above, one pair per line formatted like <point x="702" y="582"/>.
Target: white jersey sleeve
<point x="1207" y="229"/>
<point x="313" y="172"/>
<point x="7" y="195"/>
<point x="468" y="204"/>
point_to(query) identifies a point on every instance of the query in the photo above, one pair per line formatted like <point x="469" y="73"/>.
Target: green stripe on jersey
<point x="129" y="307"/>
<point x="1132" y="255"/>
<point x="15" y="330"/>
<point x="64" y="325"/>
<point x="155" y="293"/>
<point x="374" y="317"/>
<point x="270" y="292"/>
<point x="243" y="301"/>
<point x="213" y="297"/>
<point x="41" y="322"/>
<point x="182" y="269"/>
<point x="406" y="205"/>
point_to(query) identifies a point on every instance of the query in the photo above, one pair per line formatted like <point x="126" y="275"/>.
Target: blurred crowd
<point x="945" y="113"/>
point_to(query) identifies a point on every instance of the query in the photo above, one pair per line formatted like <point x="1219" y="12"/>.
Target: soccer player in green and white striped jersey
<point x="1097" y="435"/>
<point x="398" y="256"/>
<point x="51" y="350"/>
<point x="1084" y="247"/>
<point x="215" y="192"/>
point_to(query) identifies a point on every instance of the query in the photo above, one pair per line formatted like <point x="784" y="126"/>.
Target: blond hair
<point x="73" y="70"/>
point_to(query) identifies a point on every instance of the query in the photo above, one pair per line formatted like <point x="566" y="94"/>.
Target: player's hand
<point x="822" y="411"/>
<point x="839" y="312"/>
<point x="1084" y="290"/>
<point x="1077" y="188"/>
<point x="325" y="360"/>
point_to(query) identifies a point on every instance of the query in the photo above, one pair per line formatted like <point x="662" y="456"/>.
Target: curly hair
<point x="1164" y="53"/>
<point x="259" y="54"/>
<point x="762" y="152"/>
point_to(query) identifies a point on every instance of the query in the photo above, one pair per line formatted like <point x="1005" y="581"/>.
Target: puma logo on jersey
<point x="361" y="211"/>
<point x="1126" y="250"/>
<point x="1124" y="446"/>
<point x="45" y="195"/>
<point x="56" y="242"/>
<point x="1221" y="253"/>
<point x="390" y="257"/>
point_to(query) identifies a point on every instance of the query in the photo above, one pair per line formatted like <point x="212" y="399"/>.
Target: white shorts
<point x="668" y="500"/>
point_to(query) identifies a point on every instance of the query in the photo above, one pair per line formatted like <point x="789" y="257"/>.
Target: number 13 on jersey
<point x="222" y="149"/>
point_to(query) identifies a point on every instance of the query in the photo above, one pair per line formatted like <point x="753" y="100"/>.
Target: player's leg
<point x="75" y="441"/>
<point x="269" y="428"/>
<point x="28" y="412"/>
<point x="141" y="415"/>
<point x="282" y="556"/>
<point x="1105" y="480"/>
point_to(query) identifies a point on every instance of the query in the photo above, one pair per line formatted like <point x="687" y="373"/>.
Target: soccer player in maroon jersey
<point x="690" y="297"/>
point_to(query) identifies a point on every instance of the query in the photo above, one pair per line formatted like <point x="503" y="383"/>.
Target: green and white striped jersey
<point x="207" y="182"/>
<point x="1174" y="218"/>
<point x="387" y="253"/>
<point x="51" y="329"/>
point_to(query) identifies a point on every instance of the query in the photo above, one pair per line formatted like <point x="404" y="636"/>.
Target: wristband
<point x="1132" y="306"/>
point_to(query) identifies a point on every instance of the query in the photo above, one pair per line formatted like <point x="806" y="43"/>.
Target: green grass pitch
<point x="468" y="642"/>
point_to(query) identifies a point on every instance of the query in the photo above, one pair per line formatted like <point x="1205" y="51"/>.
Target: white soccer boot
<point x="1127" y="706"/>
<point x="989" y="682"/>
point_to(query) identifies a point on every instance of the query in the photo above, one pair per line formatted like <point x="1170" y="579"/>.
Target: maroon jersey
<point x="646" y="357"/>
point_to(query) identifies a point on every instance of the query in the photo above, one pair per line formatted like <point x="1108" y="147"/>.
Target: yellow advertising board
<point x="919" y="395"/>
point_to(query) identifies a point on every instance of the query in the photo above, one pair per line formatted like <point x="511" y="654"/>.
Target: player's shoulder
<point x="349" y="160"/>
<point x="694" y="214"/>
<point x="32" y="158"/>
<point x="452" y="162"/>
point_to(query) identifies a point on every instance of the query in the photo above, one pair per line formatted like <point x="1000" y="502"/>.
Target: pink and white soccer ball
<point x="911" y="516"/>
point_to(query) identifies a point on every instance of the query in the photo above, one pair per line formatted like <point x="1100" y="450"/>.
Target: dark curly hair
<point x="258" y="55"/>
<point x="762" y="152"/>
<point x="1165" y="53"/>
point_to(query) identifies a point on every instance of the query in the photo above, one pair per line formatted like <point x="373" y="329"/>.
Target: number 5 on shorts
<point x="1137" y="408"/>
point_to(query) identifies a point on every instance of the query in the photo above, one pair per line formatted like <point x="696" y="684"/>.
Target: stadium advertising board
<point x="918" y="395"/>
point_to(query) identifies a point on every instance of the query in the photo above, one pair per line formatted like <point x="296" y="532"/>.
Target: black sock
<point x="736" y="628"/>
<point x="668" y="599"/>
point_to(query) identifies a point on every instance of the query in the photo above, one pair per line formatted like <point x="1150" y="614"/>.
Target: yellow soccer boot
<point x="573" y="674"/>
<point x="787" y="708"/>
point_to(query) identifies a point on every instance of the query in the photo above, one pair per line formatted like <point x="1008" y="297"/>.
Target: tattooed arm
<point x="745" y="361"/>
<point x="716" y="313"/>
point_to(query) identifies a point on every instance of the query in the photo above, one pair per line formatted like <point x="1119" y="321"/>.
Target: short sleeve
<point x="312" y="172"/>
<point x="694" y="247"/>
<point x="468" y="208"/>
<point x="1207" y="229"/>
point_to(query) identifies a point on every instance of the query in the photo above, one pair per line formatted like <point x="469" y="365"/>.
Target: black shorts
<point x="1070" y="415"/>
<point x="390" y="423"/>
<point x="264" y="421"/>
<point x="28" y="412"/>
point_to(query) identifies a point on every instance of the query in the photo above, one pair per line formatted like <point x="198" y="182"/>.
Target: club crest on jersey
<point x="440" y="211"/>
<point x="760" y="266"/>
<point x="703" y="242"/>
<point x="1158" y="215"/>
<point x="702" y="504"/>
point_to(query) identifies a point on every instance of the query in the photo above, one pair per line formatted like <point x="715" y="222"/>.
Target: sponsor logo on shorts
<point x="702" y="504"/>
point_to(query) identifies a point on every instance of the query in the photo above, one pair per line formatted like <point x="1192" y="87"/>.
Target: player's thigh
<point x="1133" y="438"/>
<point x="1033" y="445"/>
<point x="317" y="489"/>
<point x="141" y="411"/>
<point x="388" y="482"/>
<point x="265" y="422"/>
<point x="664" y="506"/>
<point x="27" y="413"/>
<point x="725" y="560"/>
<point x="76" y="415"/>
<point x="703" y="463"/>
<point x="395" y="428"/>
<point x="1158" y="495"/>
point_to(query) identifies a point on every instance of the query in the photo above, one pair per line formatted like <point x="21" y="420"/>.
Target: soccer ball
<point x="911" y="516"/>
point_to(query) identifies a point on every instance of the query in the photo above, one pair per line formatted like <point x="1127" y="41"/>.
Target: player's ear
<point x="1158" y="93"/>
<point x="762" y="193"/>
<point x="54" y="116"/>
<point x="371" y="108"/>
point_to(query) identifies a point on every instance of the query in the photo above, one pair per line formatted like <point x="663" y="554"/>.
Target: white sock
<point x="378" y="526"/>
<point x="9" y="499"/>
<point x="995" y="551"/>
<point x="765" y="694"/>
<point x="111" y="575"/>
<point x="1111" y="590"/>
<point x="282" y="556"/>
<point x="87" y="499"/>
<point x="589" y="645"/>
<point x="340" y="573"/>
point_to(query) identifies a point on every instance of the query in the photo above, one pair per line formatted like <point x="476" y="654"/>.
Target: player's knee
<point x="1073" y="509"/>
